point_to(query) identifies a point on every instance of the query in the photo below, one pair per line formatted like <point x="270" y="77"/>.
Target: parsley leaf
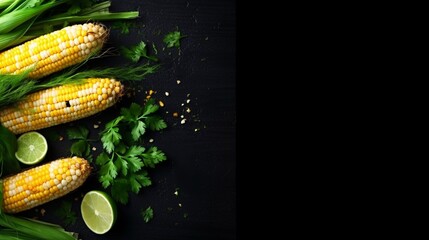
<point x="123" y="26"/>
<point x="102" y="159"/>
<point x="66" y="214"/>
<point x="108" y="173"/>
<point x="132" y="157"/>
<point x="150" y="107"/>
<point x="139" y="180"/>
<point x="77" y="133"/>
<point x="110" y="135"/>
<point x="132" y="115"/>
<point x="155" y="123"/>
<point x="120" y="190"/>
<point x="105" y="180"/>
<point x="138" y="130"/>
<point x="81" y="148"/>
<point x="147" y="214"/>
<point x="153" y="156"/>
<point x="172" y="39"/>
<point x="134" y="53"/>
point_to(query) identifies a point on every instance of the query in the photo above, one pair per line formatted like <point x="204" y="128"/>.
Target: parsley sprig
<point x="147" y="214"/>
<point x="172" y="39"/>
<point x="81" y="147"/>
<point x="124" y="161"/>
<point x="134" y="53"/>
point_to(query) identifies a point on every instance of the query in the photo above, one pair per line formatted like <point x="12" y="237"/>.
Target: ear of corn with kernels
<point x="54" y="51"/>
<point x="61" y="104"/>
<point x="44" y="183"/>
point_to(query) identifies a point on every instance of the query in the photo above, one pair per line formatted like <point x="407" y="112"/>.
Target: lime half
<point x="98" y="211"/>
<point x="32" y="148"/>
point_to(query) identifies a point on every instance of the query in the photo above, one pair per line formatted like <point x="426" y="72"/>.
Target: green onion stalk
<point x="5" y="3"/>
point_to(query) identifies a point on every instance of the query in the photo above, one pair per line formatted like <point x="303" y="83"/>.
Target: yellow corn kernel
<point x="39" y="185"/>
<point x="54" y="51"/>
<point x="45" y="109"/>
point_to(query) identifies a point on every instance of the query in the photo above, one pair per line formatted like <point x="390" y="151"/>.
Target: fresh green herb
<point x="124" y="161"/>
<point x="111" y="136"/>
<point x="134" y="53"/>
<point x="153" y="156"/>
<point x="66" y="213"/>
<point x="8" y="145"/>
<point x="14" y="87"/>
<point x="139" y="118"/>
<point x="123" y="26"/>
<point x="172" y="39"/>
<point x="81" y="147"/>
<point x="78" y="133"/>
<point x="147" y="214"/>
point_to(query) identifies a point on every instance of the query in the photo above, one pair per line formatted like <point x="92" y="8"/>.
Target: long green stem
<point x="94" y="16"/>
<point x="15" y="18"/>
<point x="8" y="39"/>
<point x="5" y="3"/>
<point x="9" y="5"/>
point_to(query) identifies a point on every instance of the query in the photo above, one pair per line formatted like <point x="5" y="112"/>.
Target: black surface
<point x="201" y="164"/>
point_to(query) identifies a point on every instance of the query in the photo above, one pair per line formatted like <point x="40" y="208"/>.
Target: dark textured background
<point x="201" y="164"/>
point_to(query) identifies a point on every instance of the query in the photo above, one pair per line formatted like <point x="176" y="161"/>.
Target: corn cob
<point x="55" y="51"/>
<point x="44" y="183"/>
<point x="61" y="104"/>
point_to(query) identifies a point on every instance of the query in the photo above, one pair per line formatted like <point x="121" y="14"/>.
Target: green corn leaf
<point x="12" y="20"/>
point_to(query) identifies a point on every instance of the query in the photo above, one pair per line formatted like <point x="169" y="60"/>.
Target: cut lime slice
<point x="98" y="211"/>
<point x="32" y="148"/>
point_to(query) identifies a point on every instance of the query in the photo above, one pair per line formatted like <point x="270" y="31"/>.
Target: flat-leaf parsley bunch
<point x="124" y="161"/>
